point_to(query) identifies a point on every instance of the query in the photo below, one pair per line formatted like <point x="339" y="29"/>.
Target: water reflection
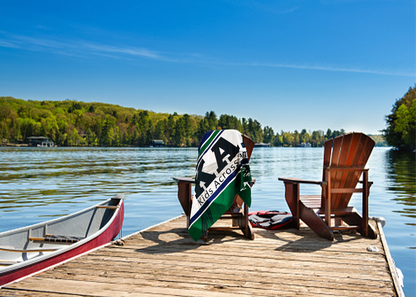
<point x="401" y="171"/>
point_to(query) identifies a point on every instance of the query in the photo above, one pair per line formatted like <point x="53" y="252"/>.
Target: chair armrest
<point x="293" y="180"/>
<point x="188" y="180"/>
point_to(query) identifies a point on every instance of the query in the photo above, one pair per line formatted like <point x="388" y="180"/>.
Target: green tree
<point x="278" y="139"/>
<point x="107" y="135"/>
<point x="304" y="137"/>
<point x="203" y="127"/>
<point x="318" y="138"/>
<point x="400" y="131"/>
<point x="268" y="135"/>
<point x="288" y="139"/>
<point x="211" y="117"/>
<point x="91" y="138"/>
<point x="179" y="135"/>
<point x="254" y="130"/>
<point x="296" y="139"/>
<point x="229" y="122"/>
<point x="73" y="138"/>
<point x="170" y="129"/>
<point x="189" y="129"/>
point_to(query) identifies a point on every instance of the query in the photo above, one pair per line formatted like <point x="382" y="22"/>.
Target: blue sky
<point x="288" y="64"/>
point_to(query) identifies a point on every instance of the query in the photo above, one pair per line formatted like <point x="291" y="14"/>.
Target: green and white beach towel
<point x="222" y="171"/>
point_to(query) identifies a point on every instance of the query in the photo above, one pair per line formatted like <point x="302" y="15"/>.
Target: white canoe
<point x="30" y="250"/>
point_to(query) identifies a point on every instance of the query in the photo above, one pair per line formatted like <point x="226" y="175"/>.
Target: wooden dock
<point x="165" y="261"/>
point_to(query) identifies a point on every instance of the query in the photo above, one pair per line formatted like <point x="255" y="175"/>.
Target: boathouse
<point x="40" y="141"/>
<point x="261" y="144"/>
<point x="157" y="143"/>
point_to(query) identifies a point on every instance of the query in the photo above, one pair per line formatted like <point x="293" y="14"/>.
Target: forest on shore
<point x="75" y="123"/>
<point x="401" y="122"/>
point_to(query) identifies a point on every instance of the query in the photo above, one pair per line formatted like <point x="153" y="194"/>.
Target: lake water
<point x="38" y="184"/>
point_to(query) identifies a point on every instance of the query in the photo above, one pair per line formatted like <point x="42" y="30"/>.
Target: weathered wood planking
<point x="165" y="261"/>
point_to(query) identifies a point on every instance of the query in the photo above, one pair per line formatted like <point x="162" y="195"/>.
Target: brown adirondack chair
<point x="345" y="158"/>
<point x="238" y="212"/>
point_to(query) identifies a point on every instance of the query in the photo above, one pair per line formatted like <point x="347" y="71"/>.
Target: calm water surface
<point x="37" y="184"/>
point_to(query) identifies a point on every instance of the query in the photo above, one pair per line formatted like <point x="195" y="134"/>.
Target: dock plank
<point x="165" y="261"/>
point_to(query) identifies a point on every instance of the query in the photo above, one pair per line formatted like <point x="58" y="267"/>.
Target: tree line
<point x="75" y="123"/>
<point x="401" y="123"/>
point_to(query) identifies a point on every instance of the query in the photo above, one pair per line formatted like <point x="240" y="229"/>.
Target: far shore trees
<point x="74" y="123"/>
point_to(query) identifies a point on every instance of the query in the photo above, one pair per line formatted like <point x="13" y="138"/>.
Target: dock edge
<point x="392" y="266"/>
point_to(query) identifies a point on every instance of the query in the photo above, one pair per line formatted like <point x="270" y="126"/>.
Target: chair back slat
<point x="336" y="150"/>
<point x="351" y="178"/>
<point x="348" y="179"/>
<point x="249" y="143"/>
<point x="348" y="151"/>
<point x="327" y="154"/>
<point x="337" y="177"/>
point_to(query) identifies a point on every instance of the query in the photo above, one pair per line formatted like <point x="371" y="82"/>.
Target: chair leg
<point x="185" y="196"/>
<point x="311" y="218"/>
<point x="234" y="222"/>
<point x="306" y="214"/>
<point x="354" y="219"/>
<point x="292" y="200"/>
<point x="244" y="224"/>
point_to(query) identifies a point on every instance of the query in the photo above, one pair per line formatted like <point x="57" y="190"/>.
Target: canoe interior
<point x="26" y="243"/>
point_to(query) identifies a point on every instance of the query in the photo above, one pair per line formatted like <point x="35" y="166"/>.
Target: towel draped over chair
<point x="222" y="172"/>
